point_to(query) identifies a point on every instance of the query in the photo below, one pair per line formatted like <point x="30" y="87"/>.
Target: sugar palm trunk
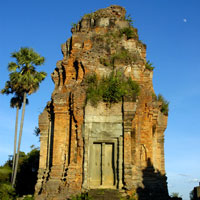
<point x="19" y="141"/>
<point x="15" y="142"/>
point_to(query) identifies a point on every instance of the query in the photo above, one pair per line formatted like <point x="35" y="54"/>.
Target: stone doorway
<point x="102" y="165"/>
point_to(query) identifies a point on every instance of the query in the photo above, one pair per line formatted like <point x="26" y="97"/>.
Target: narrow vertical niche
<point x="76" y="68"/>
<point x="133" y="138"/>
<point x="154" y="145"/>
<point x="51" y="134"/>
<point x="63" y="75"/>
<point x="153" y="131"/>
<point x="51" y="139"/>
<point x="70" y="127"/>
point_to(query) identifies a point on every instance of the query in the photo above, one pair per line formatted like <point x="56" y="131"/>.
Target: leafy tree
<point x="192" y="195"/>
<point x="175" y="196"/>
<point x="27" y="173"/>
<point x="6" y="190"/>
<point x="26" y="176"/>
<point x="24" y="79"/>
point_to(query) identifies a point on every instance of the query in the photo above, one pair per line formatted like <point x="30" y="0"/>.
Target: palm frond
<point x="24" y="77"/>
<point x="7" y="89"/>
<point x="12" y="67"/>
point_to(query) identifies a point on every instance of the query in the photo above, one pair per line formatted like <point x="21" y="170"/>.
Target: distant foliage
<point x="110" y="89"/>
<point x="26" y="177"/>
<point x="192" y="195"/>
<point x="27" y="173"/>
<point x="7" y="192"/>
<point x="28" y="197"/>
<point x="5" y="173"/>
<point x="175" y="196"/>
<point x="149" y="66"/>
<point x="37" y="131"/>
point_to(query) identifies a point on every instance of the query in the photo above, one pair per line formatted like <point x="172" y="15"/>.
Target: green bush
<point x="165" y="104"/>
<point x="154" y="97"/>
<point x="129" y="32"/>
<point x="27" y="172"/>
<point x="28" y="197"/>
<point x="6" y="192"/>
<point x="125" y="56"/>
<point x="175" y="195"/>
<point x="122" y="55"/>
<point x="110" y="89"/>
<point x="91" y="79"/>
<point x="92" y="15"/>
<point x="5" y="174"/>
<point x="105" y="62"/>
<point x="149" y="66"/>
<point x="129" y="19"/>
<point x="73" y="25"/>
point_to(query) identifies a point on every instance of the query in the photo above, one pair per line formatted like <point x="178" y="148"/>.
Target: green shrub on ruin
<point x="106" y="62"/>
<point x="165" y="104"/>
<point x="129" y="32"/>
<point x="110" y="89"/>
<point x="124" y="55"/>
<point x="73" y="25"/>
<point x="129" y="19"/>
<point x="149" y="66"/>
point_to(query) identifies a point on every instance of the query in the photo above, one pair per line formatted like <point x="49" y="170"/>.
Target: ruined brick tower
<point x="115" y="144"/>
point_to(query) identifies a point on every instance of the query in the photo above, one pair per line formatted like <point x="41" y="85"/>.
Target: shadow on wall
<point x="155" y="185"/>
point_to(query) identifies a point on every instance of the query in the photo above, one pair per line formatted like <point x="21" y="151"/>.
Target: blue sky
<point x="171" y="30"/>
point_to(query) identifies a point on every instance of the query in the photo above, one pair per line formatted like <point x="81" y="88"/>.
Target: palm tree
<point x="24" y="79"/>
<point x="15" y="102"/>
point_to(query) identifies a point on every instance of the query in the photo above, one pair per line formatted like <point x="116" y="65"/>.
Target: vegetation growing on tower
<point x="165" y="104"/>
<point x="110" y="89"/>
<point x="149" y="65"/>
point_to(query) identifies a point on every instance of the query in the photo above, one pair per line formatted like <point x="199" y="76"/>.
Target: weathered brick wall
<point x="61" y="171"/>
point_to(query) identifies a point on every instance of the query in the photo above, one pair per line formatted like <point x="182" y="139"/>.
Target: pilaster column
<point x="120" y="184"/>
<point x="85" y="165"/>
<point x="59" y="142"/>
<point x="103" y="163"/>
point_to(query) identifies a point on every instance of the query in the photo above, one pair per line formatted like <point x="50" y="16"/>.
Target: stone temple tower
<point x="95" y="135"/>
